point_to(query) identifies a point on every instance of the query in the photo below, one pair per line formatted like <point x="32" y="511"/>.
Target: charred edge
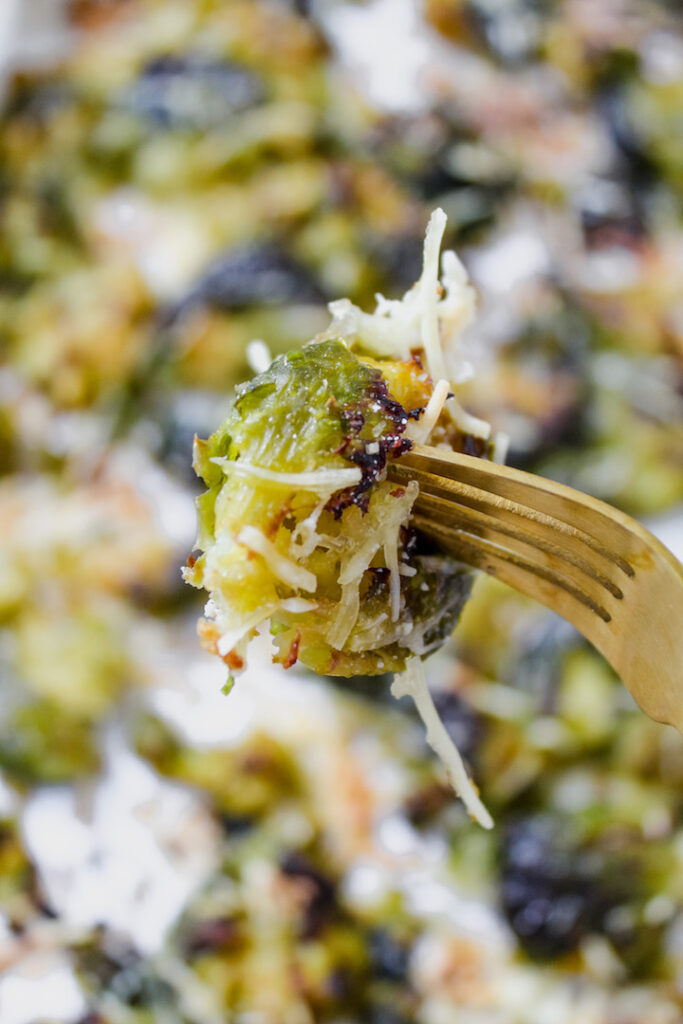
<point x="355" y="449"/>
<point x="409" y="542"/>
<point x="468" y="444"/>
<point x="379" y="582"/>
<point x="233" y="661"/>
<point x="379" y="392"/>
<point x="372" y="465"/>
<point x="214" y="935"/>
<point x="320" y="893"/>
<point x="289" y="659"/>
<point x="354" y="421"/>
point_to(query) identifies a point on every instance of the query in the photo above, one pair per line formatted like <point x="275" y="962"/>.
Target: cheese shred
<point x="289" y="572"/>
<point x="413" y="683"/>
<point x="318" y="480"/>
<point x="419" y="431"/>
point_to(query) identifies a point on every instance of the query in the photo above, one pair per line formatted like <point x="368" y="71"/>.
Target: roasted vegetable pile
<point x="180" y="182"/>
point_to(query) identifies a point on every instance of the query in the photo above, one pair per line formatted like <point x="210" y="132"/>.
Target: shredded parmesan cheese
<point x="318" y="480"/>
<point x="413" y="683"/>
<point x="467" y="423"/>
<point x="289" y="572"/>
<point x="305" y="537"/>
<point x="391" y="559"/>
<point x="501" y="444"/>
<point x="229" y="640"/>
<point x="258" y="355"/>
<point x="231" y="637"/>
<point x="428" y="286"/>
<point x="297" y="605"/>
<point x="354" y="568"/>
<point x="382" y="530"/>
<point x="430" y="316"/>
<point x="419" y="432"/>
<point x="347" y="614"/>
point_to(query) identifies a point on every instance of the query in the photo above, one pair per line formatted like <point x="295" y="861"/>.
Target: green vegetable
<point x="339" y="532"/>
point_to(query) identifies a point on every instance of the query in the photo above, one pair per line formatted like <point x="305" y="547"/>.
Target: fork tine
<point x="540" y="525"/>
<point x="552" y="499"/>
<point x="522" y="529"/>
<point x="524" y="575"/>
<point x="581" y="572"/>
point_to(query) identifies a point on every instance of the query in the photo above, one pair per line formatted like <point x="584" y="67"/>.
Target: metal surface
<point x="598" y="568"/>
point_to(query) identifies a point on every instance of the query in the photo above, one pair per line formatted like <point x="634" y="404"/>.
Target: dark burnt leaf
<point x="370" y="455"/>
<point x="213" y="935"/>
<point x="250" y="275"/>
<point x="556" y="887"/>
<point x="372" y="465"/>
<point x="510" y="31"/>
<point x="436" y="595"/>
<point x="108" y="962"/>
<point x="398" y="257"/>
<point x="389" y="957"/>
<point x="536" y="665"/>
<point x="191" y="92"/>
<point x="386" y="1014"/>
<point x="236" y="824"/>
<point x="258" y="275"/>
<point x="38" y="100"/>
<point x="627" y="134"/>
<point x="301" y="7"/>
<point x="544" y="896"/>
<point x="422" y="806"/>
<point x="321" y="892"/>
<point x="375" y="688"/>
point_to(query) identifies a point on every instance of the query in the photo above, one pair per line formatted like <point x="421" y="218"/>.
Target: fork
<point x="598" y="568"/>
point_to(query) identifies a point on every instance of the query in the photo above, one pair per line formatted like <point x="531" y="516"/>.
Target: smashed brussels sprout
<point x="300" y="525"/>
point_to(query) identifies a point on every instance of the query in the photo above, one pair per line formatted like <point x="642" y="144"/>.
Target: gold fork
<point x="600" y="569"/>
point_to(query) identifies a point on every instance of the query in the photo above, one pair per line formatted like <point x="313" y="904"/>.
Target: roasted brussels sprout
<point x="300" y="524"/>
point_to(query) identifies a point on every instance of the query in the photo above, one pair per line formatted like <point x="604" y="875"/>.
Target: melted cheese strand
<point x="229" y="640"/>
<point x="297" y="605"/>
<point x="429" y="296"/>
<point x="419" y="432"/>
<point x="346" y="617"/>
<point x="318" y="480"/>
<point x="289" y="572"/>
<point x="413" y="683"/>
<point x="305" y="537"/>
